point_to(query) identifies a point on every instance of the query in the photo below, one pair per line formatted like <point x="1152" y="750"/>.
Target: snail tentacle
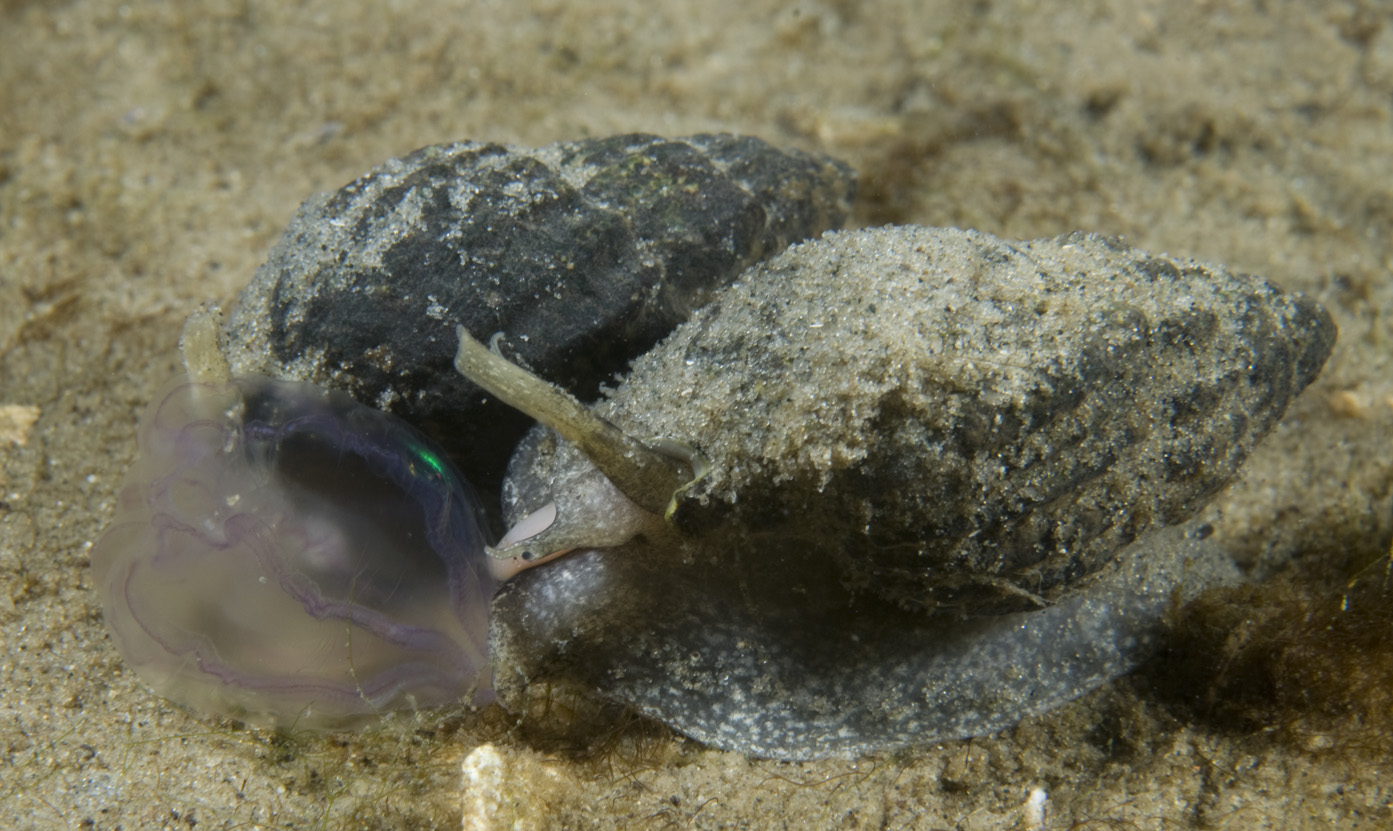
<point x="201" y="346"/>
<point x="638" y="481"/>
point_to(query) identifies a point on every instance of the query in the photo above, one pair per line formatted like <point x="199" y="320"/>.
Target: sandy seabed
<point x="151" y="152"/>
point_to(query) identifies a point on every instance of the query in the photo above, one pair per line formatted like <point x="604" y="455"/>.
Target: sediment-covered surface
<point x="151" y="154"/>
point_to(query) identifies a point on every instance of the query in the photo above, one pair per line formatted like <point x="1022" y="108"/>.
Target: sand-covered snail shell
<point x="943" y="474"/>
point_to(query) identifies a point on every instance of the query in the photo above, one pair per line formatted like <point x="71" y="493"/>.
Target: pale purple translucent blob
<point x="287" y="556"/>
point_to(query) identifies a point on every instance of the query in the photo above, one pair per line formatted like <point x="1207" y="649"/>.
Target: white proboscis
<point x="529" y="527"/>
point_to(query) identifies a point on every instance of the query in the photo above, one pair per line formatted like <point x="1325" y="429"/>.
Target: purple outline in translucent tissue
<point x="284" y="555"/>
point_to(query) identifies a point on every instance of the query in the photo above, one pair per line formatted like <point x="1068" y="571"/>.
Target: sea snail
<point x="288" y="556"/>
<point x="948" y="476"/>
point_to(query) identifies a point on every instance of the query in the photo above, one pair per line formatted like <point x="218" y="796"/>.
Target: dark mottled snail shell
<point x="901" y="422"/>
<point x="582" y="254"/>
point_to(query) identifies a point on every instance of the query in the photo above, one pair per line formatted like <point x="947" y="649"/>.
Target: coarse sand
<point x="151" y="152"/>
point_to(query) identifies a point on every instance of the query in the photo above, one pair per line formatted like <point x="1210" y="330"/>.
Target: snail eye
<point x="287" y="556"/>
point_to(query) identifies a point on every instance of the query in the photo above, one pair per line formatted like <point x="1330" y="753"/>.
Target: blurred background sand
<point x="151" y="152"/>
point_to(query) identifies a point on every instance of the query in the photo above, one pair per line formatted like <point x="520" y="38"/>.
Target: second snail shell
<point x="911" y="432"/>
